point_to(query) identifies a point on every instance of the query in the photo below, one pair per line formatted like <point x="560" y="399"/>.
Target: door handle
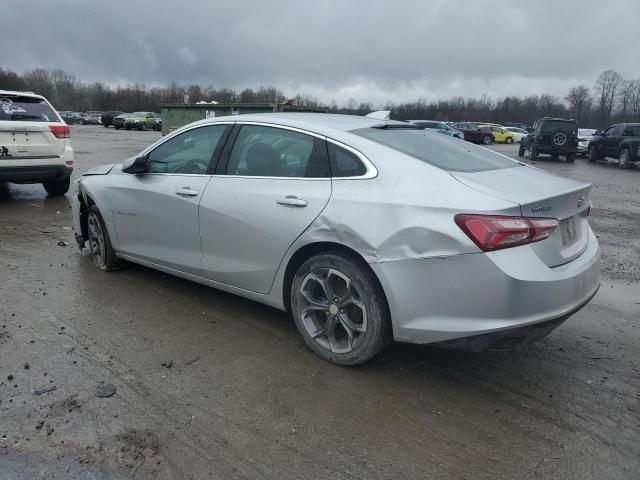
<point x="292" y="201"/>
<point x="186" y="192"/>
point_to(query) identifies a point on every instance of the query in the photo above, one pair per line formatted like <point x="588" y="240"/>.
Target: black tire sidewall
<point x="57" y="188"/>
<point x="111" y="261"/>
<point x="378" y="334"/>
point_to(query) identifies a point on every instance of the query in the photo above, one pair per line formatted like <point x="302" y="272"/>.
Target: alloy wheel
<point x="332" y="310"/>
<point x="97" y="244"/>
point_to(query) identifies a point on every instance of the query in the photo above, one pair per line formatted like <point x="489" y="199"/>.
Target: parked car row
<point x="116" y="118"/>
<point x="476" y="132"/>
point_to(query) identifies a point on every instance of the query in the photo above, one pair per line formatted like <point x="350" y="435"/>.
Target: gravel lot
<point x="213" y="386"/>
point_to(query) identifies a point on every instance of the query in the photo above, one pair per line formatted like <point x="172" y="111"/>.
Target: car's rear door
<point x="272" y="182"/>
<point x="156" y="213"/>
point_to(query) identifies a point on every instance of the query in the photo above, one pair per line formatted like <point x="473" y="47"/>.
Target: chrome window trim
<point x="371" y="170"/>
<point x="180" y="131"/>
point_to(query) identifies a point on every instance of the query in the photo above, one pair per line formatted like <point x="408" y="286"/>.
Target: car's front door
<point x="270" y="186"/>
<point x="156" y="213"/>
<point x="610" y="140"/>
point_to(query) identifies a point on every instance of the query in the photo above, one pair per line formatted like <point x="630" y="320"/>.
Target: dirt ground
<point x="209" y="385"/>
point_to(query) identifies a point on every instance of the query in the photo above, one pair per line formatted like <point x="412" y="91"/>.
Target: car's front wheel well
<point x="85" y="204"/>
<point x="313" y="249"/>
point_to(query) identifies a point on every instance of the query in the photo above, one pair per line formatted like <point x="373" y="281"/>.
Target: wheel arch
<point x="309" y="250"/>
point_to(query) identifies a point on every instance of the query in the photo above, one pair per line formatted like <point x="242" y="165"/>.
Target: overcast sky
<point x="375" y="50"/>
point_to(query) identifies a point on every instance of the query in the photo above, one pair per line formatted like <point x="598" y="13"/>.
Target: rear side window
<point x="261" y="151"/>
<point x="632" y="131"/>
<point x="438" y="150"/>
<point x="344" y="163"/>
<point x="24" y="108"/>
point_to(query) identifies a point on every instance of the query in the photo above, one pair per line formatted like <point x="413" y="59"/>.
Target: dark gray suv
<point x="553" y="136"/>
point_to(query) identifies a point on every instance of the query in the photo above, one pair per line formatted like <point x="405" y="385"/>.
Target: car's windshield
<point x="138" y="115"/>
<point x="25" y="108"/>
<point x="438" y="150"/>
<point x="586" y="131"/>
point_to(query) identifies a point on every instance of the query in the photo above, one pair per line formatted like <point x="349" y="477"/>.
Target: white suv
<point x="34" y="142"/>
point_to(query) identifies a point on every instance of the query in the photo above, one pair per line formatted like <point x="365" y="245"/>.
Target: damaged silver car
<point x="366" y="230"/>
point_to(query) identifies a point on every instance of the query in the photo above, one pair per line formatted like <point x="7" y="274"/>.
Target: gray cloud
<point x="368" y="50"/>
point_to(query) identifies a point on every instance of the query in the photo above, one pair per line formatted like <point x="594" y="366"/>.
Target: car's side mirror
<point x="136" y="164"/>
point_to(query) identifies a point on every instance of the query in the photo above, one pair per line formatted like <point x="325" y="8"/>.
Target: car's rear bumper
<point x="446" y="298"/>
<point x="542" y="148"/>
<point x="34" y="174"/>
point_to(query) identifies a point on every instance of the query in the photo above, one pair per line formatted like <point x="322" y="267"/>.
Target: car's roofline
<point x="22" y="94"/>
<point x="326" y="124"/>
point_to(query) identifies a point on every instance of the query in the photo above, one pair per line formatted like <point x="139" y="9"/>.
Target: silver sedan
<point x="365" y="230"/>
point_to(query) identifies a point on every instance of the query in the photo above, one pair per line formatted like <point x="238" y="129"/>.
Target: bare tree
<point x="580" y="101"/>
<point x="607" y="88"/>
<point x="626" y="94"/>
<point x="634" y="99"/>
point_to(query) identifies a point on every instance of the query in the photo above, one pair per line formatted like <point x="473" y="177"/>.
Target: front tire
<point x="339" y="309"/>
<point x="521" y="151"/>
<point x="593" y="154"/>
<point x="533" y="153"/>
<point x="57" y="188"/>
<point x="509" y="140"/>
<point x="100" y="247"/>
<point x="487" y="140"/>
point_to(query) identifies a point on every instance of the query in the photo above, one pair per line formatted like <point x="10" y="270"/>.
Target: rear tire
<point x="127" y="127"/>
<point x="57" y="188"/>
<point x="625" y="161"/>
<point x="100" y="247"/>
<point x="339" y="309"/>
<point x="533" y="153"/>
<point x="521" y="151"/>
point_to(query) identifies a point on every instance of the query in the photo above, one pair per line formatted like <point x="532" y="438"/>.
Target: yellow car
<point x="499" y="133"/>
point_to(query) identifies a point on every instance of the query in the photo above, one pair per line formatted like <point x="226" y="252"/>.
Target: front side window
<point x="190" y="152"/>
<point x="438" y="150"/>
<point x="261" y="151"/>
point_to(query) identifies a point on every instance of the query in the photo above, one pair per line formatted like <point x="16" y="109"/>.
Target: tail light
<point x="495" y="232"/>
<point x="60" y="131"/>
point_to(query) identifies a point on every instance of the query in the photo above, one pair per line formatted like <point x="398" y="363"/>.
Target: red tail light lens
<point x="495" y="232"/>
<point x="60" y="131"/>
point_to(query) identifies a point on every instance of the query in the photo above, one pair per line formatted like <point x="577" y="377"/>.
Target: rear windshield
<point x="444" y="152"/>
<point x="586" y="131"/>
<point x="551" y="125"/>
<point x="25" y="108"/>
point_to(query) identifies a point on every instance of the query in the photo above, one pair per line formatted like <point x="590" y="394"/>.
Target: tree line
<point x="612" y="98"/>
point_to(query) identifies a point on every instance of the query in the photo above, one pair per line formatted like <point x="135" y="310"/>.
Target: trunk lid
<point x="23" y="140"/>
<point x="541" y="194"/>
